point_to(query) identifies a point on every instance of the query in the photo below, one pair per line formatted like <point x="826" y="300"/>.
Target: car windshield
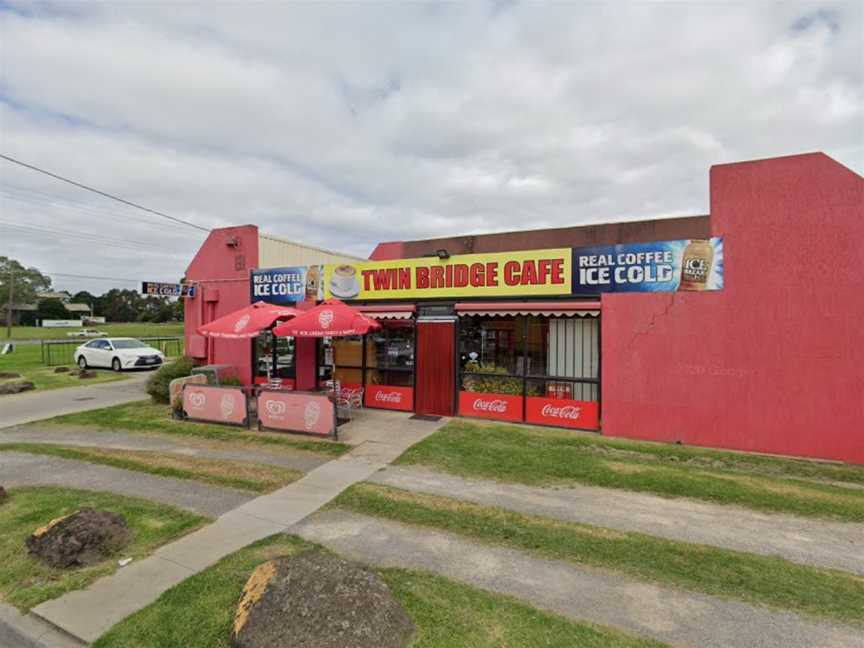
<point x="129" y="344"/>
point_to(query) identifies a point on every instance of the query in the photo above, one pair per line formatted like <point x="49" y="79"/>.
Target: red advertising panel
<point x="386" y="397"/>
<point x="504" y="407"/>
<point x="218" y="404"/>
<point x="583" y="415"/>
<point x="296" y="412"/>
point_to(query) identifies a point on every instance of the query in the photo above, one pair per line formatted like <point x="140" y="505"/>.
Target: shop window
<point x="491" y="345"/>
<point x="535" y="368"/>
<point x="347" y="358"/>
<point x="382" y="362"/>
<point x="274" y="358"/>
<point x="392" y="347"/>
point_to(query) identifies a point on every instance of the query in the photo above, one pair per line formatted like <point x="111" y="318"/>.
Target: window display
<point x="380" y="363"/>
<point x="530" y="367"/>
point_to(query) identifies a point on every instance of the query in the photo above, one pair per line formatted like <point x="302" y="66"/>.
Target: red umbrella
<point x="247" y="322"/>
<point x="330" y="319"/>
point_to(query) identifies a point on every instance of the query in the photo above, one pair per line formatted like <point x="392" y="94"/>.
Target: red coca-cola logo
<point x="496" y="405"/>
<point x="388" y="397"/>
<point x="565" y="412"/>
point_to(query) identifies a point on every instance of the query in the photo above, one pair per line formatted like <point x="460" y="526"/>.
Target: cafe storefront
<point x="509" y="336"/>
<point x="761" y="360"/>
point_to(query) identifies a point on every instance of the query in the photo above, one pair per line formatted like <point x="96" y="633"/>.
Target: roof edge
<point x="281" y="239"/>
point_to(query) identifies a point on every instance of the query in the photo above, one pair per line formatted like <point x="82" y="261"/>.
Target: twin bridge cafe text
<point x="532" y="272"/>
<point x="626" y="267"/>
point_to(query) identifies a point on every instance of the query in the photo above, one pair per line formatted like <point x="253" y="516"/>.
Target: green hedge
<point x="157" y="386"/>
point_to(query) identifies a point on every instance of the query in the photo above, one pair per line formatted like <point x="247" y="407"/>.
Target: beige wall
<point x="274" y="252"/>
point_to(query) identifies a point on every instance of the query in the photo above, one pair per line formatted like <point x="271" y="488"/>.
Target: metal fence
<point x="59" y="352"/>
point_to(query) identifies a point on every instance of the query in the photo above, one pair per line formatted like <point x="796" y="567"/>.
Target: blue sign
<point x="167" y="289"/>
<point x="285" y="285"/>
<point x="662" y="266"/>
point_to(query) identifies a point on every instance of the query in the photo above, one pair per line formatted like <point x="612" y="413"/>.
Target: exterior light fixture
<point x="442" y="254"/>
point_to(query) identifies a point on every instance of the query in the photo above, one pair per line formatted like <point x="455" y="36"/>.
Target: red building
<point x="772" y="362"/>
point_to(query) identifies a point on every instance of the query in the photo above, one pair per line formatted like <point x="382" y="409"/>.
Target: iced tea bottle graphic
<point x="696" y="265"/>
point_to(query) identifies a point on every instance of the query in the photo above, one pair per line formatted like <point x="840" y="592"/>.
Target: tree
<point x="28" y="281"/>
<point x="178" y="308"/>
<point x="51" y="309"/>
<point x="83" y="297"/>
<point x="120" y="305"/>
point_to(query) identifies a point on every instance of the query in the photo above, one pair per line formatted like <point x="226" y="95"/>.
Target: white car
<point x="118" y="354"/>
<point x="87" y="333"/>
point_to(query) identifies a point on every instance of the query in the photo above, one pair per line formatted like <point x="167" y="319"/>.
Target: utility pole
<point x="9" y="305"/>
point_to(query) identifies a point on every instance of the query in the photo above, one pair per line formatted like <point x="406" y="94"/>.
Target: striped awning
<point x="548" y="309"/>
<point x="391" y="312"/>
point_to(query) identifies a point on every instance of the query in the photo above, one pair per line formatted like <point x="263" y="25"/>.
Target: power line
<point x="42" y="200"/>
<point x="102" y="193"/>
<point x="84" y="236"/>
<point x="77" y="276"/>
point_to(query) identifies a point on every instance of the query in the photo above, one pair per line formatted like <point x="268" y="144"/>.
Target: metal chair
<point x="349" y="400"/>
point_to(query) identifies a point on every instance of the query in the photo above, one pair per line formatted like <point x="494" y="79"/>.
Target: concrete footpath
<point x="580" y="593"/>
<point x="809" y="541"/>
<point x="87" y="614"/>
<point x="31" y="406"/>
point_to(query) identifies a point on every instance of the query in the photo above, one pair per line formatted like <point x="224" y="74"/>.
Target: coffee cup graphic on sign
<point x="344" y="283"/>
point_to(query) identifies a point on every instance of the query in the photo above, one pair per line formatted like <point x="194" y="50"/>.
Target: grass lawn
<point x="25" y="582"/>
<point x="131" y="329"/>
<point x="544" y="457"/>
<point x="758" y="579"/>
<point x="199" y="612"/>
<point x="145" y="416"/>
<point x="258" y="478"/>
<point x="27" y="361"/>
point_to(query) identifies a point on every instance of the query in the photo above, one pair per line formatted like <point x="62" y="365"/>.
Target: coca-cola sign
<point x="563" y="412"/>
<point x="504" y="407"/>
<point x="387" y="397"/>
<point x="495" y="405"/>
<point x="583" y="415"/>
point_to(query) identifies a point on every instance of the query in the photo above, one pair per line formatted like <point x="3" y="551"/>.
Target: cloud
<point x="343" y="125"/>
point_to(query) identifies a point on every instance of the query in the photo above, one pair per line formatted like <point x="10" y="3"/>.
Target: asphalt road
<point x="36" y="405"/>
<point x="667" y="614"/>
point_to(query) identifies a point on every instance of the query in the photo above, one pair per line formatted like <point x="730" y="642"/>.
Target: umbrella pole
<point x="275" y="356"/>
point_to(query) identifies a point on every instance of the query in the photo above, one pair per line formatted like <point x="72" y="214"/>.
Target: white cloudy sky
<point x="346" y="124"/>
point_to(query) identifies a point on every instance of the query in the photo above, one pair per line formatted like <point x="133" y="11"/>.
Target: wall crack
<point x="654" y="319"/>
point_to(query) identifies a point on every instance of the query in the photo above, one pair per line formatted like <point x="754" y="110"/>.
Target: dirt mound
<point x="3" y="495"/>
<point x="5" y="375"/>
<point x="61" y="369"/>
<point x="16" y="387"/>
<point x="317" y="599"/>
<point x="84" y="374"/>
<point x="82" y="538"/>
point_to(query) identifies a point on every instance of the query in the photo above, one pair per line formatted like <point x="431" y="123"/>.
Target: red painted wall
<point x="775" y="361"/>
<point x="221" y="274"/>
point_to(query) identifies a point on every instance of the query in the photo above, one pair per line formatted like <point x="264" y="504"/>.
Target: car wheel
<point x="82" y="362"/>
<point x="115" y="364"/>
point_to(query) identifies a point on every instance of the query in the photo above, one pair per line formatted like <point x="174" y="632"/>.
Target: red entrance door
<point x="436" y="368"/>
